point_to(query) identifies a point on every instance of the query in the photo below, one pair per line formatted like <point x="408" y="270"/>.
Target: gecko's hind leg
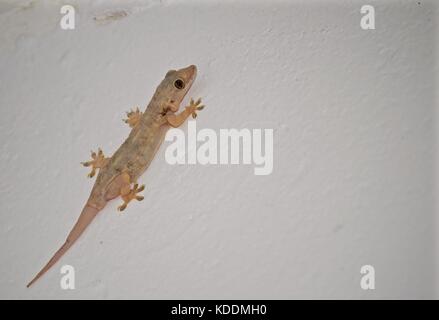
<point x="98" y="161"/>
<point x="127" y="193"/>
<point x="133" y="117"/>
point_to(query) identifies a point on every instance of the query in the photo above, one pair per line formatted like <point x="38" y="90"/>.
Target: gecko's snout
<point x="193" y="68"/>
<point x="189" y="72"/>
<point x="193" y="71"/>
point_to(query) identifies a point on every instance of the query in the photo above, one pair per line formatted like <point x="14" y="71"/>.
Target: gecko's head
<point x="175" y="86"/>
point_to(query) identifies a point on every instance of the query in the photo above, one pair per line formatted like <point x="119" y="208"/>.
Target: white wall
<point x="354" y="149"/>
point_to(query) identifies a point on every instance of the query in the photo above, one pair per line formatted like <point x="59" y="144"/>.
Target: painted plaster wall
<point x="353" y="114"/>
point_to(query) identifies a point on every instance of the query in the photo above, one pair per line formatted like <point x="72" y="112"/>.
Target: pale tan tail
<point x="87" y="215"/>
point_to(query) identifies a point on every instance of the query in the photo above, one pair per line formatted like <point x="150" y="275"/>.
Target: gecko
<point x="118" y="174"/>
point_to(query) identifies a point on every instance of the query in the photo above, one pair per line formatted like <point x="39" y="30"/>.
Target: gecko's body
<point x="119" y="172"/>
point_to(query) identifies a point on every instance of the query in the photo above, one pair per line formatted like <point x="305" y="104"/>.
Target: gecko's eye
<point x="179" y="84"/>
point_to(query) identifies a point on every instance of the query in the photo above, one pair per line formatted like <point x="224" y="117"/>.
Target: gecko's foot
<point x="194" y="107"/>
<point x="133" y="117"/>
<point x="98" y="161"/>
<point x="132" y="194"/>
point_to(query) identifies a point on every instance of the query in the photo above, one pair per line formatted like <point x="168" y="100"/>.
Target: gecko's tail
<point x="87" y="215"/>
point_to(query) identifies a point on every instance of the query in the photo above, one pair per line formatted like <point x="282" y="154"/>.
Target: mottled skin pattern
<point x="118" y="174"/>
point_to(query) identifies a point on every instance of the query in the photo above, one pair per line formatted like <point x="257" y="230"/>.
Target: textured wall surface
<point x="353" y="114"/>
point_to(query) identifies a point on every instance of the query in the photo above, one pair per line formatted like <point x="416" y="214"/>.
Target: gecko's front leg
<point x="176" y="120"/>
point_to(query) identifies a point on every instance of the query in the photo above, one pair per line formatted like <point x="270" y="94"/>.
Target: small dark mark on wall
<point x="110" y="16"/>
